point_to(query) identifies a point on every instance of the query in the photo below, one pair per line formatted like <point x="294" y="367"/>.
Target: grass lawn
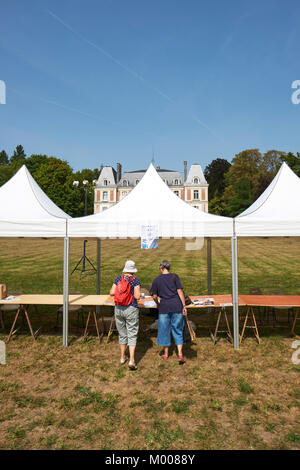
<point x="80" y="398"/>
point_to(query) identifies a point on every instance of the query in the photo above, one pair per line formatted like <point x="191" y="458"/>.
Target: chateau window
<point x="105" y="183"/>
<point x="105" y="196"/>
<point x="104" y="208"/>
<point x="137" y="181"/>
<point x="196" y="180"/>
<point x="196" y="194"/>
<point x="125" y="183"/>
<point x="176" y="182"/>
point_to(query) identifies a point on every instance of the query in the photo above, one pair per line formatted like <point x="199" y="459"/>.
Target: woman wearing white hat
<point x="126" y="290"/>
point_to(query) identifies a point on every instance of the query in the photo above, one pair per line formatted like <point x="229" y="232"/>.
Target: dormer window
<point x="125" y="183"/>
<point x="196" y="180"/>
<point x="176" y="182"/>
<point x="137" y="181"/>
<point x="105" y="183"/>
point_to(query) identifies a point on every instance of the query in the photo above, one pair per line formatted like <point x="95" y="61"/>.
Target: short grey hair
<point x="165" y="264"/>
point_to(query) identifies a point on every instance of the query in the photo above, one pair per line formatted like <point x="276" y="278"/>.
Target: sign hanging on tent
<point x="149" y="237"/>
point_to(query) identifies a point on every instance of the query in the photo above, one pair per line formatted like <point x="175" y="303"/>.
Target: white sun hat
<point x="129" y="267"/>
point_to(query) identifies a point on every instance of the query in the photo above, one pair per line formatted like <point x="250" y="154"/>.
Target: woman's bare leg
<point x="123" y="349"/>
<point x="131" y="352"/>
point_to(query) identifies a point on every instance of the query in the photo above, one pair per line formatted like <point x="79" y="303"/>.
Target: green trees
<point x="215" y="176"/>
<point x="3" y="158"/>
<point x="235" y="187"/>
<point x="18" y="154"/>
<point x="293" y="161"/>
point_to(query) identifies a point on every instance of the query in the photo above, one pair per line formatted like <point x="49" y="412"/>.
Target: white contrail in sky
<point x="125" y="67"/>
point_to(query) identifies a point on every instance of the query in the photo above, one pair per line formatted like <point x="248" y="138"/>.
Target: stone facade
<point x="112" y="186"/>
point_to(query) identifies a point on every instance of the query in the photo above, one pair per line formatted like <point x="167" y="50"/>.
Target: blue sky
<point x="106" y="81"/>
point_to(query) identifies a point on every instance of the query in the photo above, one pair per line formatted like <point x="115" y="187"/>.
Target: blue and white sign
<point x="149" y="237"/>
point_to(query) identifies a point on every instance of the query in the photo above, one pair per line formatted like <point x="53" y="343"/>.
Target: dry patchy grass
<point x="80" y="398"/>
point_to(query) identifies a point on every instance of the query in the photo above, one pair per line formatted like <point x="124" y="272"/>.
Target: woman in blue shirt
<point x="171" y="304"/>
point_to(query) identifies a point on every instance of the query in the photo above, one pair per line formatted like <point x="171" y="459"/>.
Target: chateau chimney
<point x="185" y="170"/>
<point x="119" y="172"/>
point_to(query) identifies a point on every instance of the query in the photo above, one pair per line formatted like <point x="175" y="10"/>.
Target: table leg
<point x="86" y="326"/>
<point x="244" y="326"/>
<point x="14" y="322"/>
<point x="96" y="324"/>
<point x="228" y="327"/>
<point x="28" y="321"/>
<point x="214" y="336"/>
<point x="111" y="327"/>
<point x="255" y="326"/>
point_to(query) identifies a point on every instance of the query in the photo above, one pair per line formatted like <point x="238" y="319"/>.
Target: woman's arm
<point x="112" y="290"/>
<point x="181" y="296"/>
<point x="137" y="292"/>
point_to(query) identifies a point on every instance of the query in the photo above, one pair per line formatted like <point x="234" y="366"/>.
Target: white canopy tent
<point x="152" y="202"/>
<point x="26" y="211"/>
<point x="276" y="213"/>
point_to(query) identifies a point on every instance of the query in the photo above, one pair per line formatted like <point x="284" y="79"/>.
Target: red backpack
<point x="123" y="295"/>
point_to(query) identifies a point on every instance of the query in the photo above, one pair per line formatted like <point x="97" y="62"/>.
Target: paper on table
<point x="226" y="304"/>
<point x="149" y="303"/>
<point x="204" y="301"/>
<point x="11" y="298"/>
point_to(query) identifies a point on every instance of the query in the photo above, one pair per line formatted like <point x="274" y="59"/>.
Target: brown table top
<point x="100" y="300"/>
<point x="53" y="299"/>
<point x="271" y="300"/>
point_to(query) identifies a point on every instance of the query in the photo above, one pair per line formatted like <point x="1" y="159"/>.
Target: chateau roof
<point x="107" y="173"/>
<point x="195" y="172"/>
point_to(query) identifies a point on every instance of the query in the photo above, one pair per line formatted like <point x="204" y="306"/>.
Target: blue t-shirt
<point x="165" y="286"/>
<point x="133" y="283"/>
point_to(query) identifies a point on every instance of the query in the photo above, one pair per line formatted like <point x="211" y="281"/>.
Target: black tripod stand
<point x="84" y="259"/>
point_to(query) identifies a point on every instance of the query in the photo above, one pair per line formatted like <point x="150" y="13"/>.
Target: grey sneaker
<point x="132" y="365"/>
<point x="122" y="361"/>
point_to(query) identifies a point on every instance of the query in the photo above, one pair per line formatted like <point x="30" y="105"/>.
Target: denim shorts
<point x="168" y="322"/>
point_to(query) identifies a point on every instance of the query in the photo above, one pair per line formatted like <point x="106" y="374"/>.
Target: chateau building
<point x="112" y="185"/>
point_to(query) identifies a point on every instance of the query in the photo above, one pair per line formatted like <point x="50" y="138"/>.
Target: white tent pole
<point x="209" y="270"/>
<point x="98" y="274"/>
<point x="235" y="292"/>
<point x="66" y="291"/>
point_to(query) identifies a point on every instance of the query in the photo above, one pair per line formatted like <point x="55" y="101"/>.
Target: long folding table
<point x="24" y="301"/>
<point x="220" y="301"/>
<point x="288" y="301"/>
